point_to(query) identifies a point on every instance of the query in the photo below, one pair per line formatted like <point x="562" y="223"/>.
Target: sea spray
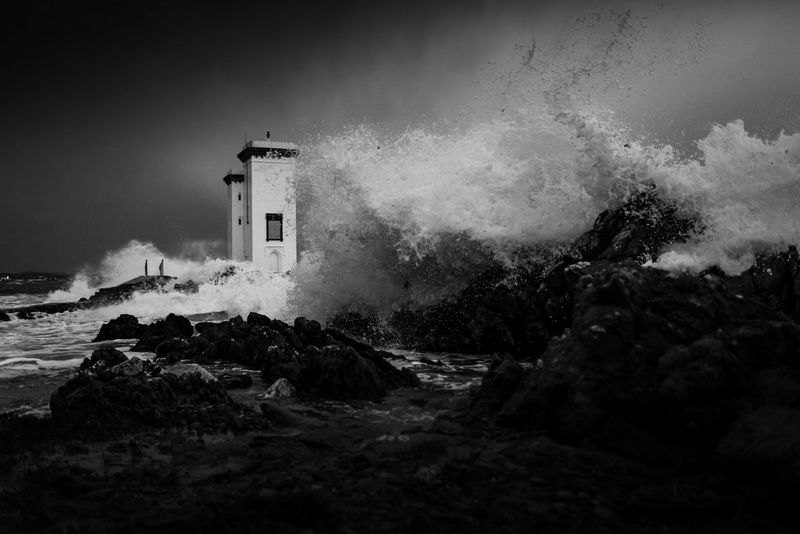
<point x="229" y="287"/>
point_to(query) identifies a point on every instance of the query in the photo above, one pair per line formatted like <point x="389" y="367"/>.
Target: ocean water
<point x="389" y="217"/>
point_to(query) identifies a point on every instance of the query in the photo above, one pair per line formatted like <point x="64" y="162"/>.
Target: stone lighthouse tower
<point x="262" y="213"/>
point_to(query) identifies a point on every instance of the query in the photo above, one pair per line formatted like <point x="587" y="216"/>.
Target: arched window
<point x="275" y="261"/>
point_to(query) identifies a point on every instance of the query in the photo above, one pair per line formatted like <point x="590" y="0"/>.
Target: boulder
<point x="132" y="393"/>
<point x="341" y="372"/>
<point x="275" y="348"/>
<point x="4" y="317"/>
<point x="183" y="370"/>
<point x="497" y="386"/>
<point x="173" y="326"/>
<point x="123" y="327"/>
<point x="131" y="367"/>
<point x="773" y="280"/>
<point x="653" y="358"/>
<point x="280" y="389"/>
<point x="102" y="360"/>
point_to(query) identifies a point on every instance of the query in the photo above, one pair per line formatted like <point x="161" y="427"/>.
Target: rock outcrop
<point x="114" y="392"/>
<point x="663" y="366"/>
<point x="317" y="361"/>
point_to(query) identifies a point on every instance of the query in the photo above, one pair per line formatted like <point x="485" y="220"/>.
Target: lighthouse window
<point x="240" y="221"/>
<point x="274" y="227"/>
<point x="240" y="198"/>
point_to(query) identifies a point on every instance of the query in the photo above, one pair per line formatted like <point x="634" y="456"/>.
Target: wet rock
<point x="341" y="372"/>
<point x="280" y="389"/>
<point x="773" y="280"/>
<point x="497" y="386"/>
<point x="102" y="359"/>
<point x="519" y="310"/>
<point x="123" y="327"/>
<point x="764" y="444"/>
<point x="653" y="358"/>
<point x="130" y="367"/>
<point x="111" y="401"/>
<point x="173" y="326"/>
<point x="175" y="349"/>
<point x="310" y="332"/>
<point x="182" y="370"/>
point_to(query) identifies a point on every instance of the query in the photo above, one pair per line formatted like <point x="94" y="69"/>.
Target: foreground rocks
<point x="317" y="361"/>
<point x="113" y="392"/>
<point x="664" y="368"/>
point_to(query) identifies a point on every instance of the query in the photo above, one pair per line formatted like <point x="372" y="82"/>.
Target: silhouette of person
<point x="161" y="268"/>
<point x="145" y="268"/>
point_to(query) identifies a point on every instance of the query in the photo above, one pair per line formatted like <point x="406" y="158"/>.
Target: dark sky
<point x="119" y="119"/>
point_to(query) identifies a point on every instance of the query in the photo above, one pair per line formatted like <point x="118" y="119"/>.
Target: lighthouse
<point x="262" y="210"/>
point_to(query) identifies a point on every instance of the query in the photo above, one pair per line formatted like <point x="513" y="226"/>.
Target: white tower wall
<point x="268" y="198"/>
<point x="237" y="216"/>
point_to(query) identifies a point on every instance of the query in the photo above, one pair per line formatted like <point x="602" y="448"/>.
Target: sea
<point x="37" y="355"/>
<point x="554" y="134"/>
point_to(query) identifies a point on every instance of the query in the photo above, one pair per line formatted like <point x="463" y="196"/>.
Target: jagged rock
<point x="497" y="385"/>
<point x="653" y="358"/>
<point x="310" y="332"/>
<point x="774" y="280"/>
<point x="181" y="370"/>
<point x="102" y="359"/>
<point x="519" y="310"/>
<point x="4" y="317"/>
<point x="134" y="393"/>
<point x="173" y="326"/>
<point x="175" y="349"/>
<point x="123" y="327"/>
<point x="274" y="347"/>
<point x="341" y="372"/>
<point x="130" y="367"/>
<point x="280" y="389"/>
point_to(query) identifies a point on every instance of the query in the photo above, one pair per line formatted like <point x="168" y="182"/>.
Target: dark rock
<point x="280" y="389"/>
<point x="764" y="444"/>
<point x="773" y="280"/>
<point x="653" y="358"/>
<point x="341" y="372"/>
<point x="256" y="319"/>
<point x="4" y="316"/>
<point x="175" y="349"/>
<point x="497" y="386"/>
<point x="518" y="310"/>
<point x="310" y="332"/>
<point x="123" y="327"/>
<point x="151" y="397"/>
<point x="102" y="360"/>
<point x="173" y="326"/>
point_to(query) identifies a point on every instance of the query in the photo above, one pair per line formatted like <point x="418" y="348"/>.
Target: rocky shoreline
<point x="620" y="399"/>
